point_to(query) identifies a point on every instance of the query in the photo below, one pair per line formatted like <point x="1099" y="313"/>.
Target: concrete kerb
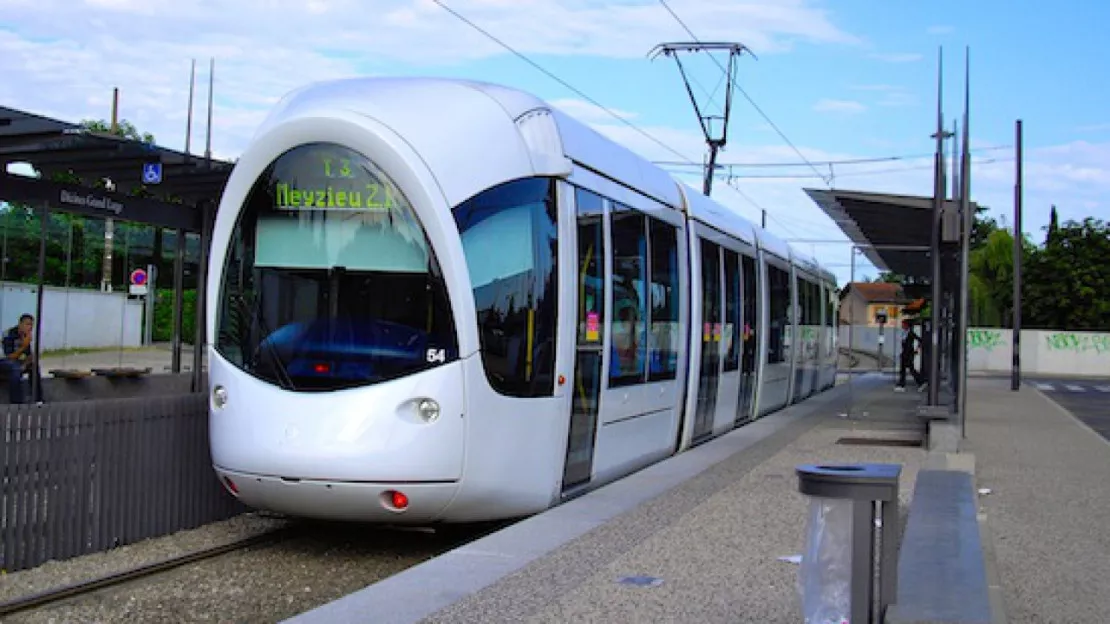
<point x="943" y="436"/>
<point x="436" y="584"/>
<point x="994" y="581"/>
<point x="966" y="461"/>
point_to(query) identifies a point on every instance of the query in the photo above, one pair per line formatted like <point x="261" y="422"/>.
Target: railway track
<point x="74" y="590"/>
<point x="265" y="577"/>
<point x="852" y="359"/>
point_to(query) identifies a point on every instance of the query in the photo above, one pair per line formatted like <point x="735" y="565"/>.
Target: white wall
<point x="74" y="318"/>
<point x="1043" y="352"/>
<point x="865" y="338"/>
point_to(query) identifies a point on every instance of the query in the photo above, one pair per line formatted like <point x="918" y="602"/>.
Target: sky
<point x="824" y="81"/>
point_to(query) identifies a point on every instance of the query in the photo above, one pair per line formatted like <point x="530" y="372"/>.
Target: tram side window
<point x="751" y="313"/>
<point x="779" y="302"/>
<point x="797" y="309"/>
<point x="710" y="304"/>
<point x="663" y="354"/>
<point x="830" y="306"/>
<point x="813" y="319"/>
<point x="801" y="310"/>
<point x="803" y="303"/>
<point x="509" y="238"/>
<point x="815" y="300"/>
<point x="629" y="317"/>
<point x="591" y="267"/>
<point x="730" y="333"/>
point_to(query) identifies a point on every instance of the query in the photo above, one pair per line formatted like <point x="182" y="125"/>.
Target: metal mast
<point x="715" y="141"/>
<point x="965" y="243"/>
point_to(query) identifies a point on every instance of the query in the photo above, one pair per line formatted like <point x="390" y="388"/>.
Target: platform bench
<point x="942" y="575"/>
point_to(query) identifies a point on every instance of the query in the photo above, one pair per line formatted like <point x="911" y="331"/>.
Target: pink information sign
<point x="593" y="325"/>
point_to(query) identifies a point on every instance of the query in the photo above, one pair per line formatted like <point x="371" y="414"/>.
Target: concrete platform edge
<point x="966" y="461"/>
<point x="994" y="582"/>
<point x="438" y="583"/>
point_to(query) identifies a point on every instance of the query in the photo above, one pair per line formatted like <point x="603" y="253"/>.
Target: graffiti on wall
<point x="985" y="339"/>
<point x="1078" y="342"/>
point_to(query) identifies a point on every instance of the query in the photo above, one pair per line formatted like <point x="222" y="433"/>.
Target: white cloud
<point x="827" y="105"/>
<point x="66" y="68"/>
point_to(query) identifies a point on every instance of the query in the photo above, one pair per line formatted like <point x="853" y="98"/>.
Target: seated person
<point x="19" y="358"/>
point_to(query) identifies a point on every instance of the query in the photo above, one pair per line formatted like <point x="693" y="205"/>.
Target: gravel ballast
<point x="263" y="583"/>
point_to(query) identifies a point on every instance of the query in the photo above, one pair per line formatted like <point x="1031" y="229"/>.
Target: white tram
<point x="446" y="301"/>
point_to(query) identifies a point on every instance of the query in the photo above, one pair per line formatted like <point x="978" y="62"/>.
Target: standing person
<point x="19" y="358"/>
<point x="911" y="344"/>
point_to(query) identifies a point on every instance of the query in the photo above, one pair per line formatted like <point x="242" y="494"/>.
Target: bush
<point x="163" y="315"/>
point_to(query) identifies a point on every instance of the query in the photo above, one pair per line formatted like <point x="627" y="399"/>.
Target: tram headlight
<point x="219" y="396"/>
<point x="429" y="410"/>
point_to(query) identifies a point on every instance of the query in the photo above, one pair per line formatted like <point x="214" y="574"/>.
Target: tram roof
<point x="717" y="215"/>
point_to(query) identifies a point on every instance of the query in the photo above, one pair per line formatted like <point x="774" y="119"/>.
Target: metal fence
<point x="85" y="477"/>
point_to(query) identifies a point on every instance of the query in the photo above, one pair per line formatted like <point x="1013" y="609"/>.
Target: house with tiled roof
<point x="862" y="302"/>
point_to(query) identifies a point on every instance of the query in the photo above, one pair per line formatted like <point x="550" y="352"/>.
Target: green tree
<point x="1053" y="225"/>
<point x="887" y="277"/>
<point x="124" y="129"/>
<point x="991" y="278"/>
<point x="982" y="227"/>
<point x="1067" y="284"/>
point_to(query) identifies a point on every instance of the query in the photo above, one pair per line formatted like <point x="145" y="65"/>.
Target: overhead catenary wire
<point x="589" y="99"/>
<point x="566" y="84"/>
<point x="736" y="86"/>
<point x="844" y="161"/>
<point x="730" y="182"/>
<point x="851" y="174"/>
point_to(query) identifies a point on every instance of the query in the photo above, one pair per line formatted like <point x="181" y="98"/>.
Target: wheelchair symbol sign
<point x="152" y="173"/>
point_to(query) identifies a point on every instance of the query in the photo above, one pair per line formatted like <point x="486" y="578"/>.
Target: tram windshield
<point x="330" y="281"/>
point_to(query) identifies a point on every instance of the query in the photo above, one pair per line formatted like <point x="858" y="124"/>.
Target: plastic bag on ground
<point x="825" y="574"/>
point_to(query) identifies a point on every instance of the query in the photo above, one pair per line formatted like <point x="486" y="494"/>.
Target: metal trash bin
<point x="838" y="568"/>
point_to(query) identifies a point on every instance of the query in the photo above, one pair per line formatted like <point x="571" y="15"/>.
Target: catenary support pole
<point x="851" y="344"/>
<point x="965" y="242"/>
<point x="1015" y="373"/>
<point x="933" y="378"/>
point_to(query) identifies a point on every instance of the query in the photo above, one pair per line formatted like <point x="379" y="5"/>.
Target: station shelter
<point x="55" y="173"/>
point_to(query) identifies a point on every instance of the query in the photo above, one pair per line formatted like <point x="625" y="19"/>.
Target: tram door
<point x="710" y="369"/>
<point x="590" y="286"/>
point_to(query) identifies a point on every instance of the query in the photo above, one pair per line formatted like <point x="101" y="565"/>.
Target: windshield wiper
<point x="255" y="314"/>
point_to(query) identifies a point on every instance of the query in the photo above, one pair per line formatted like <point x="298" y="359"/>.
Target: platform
<point x="708" y="536"/>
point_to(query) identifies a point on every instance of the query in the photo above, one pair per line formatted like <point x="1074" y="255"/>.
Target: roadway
<point x="1087" y="399"/>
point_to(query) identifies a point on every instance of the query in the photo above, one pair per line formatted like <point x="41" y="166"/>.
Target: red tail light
<point x="397" y="500"/>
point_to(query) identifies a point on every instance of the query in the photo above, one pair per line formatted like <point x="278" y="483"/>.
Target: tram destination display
<point x="330" y="177"/>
